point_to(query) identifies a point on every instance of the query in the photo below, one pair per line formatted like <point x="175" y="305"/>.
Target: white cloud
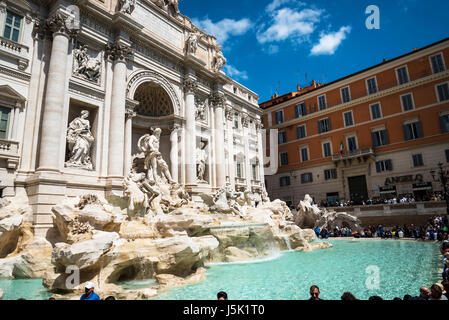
<point x="234" y="73"/>
<point x="290" y="23"/>
<point x="224" y="28"/>
<point x="330" y="42"/>
<point x="277" y="3"/>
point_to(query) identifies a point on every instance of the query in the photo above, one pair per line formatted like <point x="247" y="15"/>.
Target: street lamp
<point x="442" y="177"/>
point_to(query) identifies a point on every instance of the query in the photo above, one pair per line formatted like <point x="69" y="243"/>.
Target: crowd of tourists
<point x="407" y="198"/>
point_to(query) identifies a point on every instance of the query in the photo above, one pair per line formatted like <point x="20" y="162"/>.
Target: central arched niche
<point x="154" y="101"/>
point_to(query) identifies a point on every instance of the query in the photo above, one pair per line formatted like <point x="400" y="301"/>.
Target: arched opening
<point x="155" y="109"/>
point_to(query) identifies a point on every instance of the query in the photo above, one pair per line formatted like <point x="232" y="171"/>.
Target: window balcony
<point x="360" y="154"/>
<point x="9" y="150"/>
<point x="15" y="51"/>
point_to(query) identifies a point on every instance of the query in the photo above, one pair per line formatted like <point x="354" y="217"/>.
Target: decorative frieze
<point x="85" y="66"/>
<point x="200" y="109"/>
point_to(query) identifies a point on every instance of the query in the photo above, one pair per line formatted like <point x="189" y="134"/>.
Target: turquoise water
<point x="404" y="266"/>
<point x="30" y="289"/>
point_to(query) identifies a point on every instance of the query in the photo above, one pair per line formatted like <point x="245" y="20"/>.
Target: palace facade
<point x="111" y="70"/>
<point x="375" y="133"/>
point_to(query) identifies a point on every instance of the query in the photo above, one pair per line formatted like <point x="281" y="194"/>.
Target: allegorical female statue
<point x="79" y="141"/>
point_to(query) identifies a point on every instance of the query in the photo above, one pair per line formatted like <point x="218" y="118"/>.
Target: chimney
<point x="415" y="49"/>
<point x="298" y="88"/>
<point x="314" y="83"/>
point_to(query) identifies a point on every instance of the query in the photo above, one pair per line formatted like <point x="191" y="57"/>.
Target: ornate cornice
<point x="190" y="85"/>
<point x="118" y="51"/>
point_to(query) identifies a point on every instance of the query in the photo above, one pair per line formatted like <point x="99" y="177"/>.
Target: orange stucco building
<point x="375" y="133"/>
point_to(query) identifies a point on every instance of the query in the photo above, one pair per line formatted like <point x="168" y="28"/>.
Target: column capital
<point x="190" y="85"/>
<point x="245" y="120"/>
<point x="117" y="51"/>
<point x="218" y="99"/>
<point x="130" y="113"/>
<point x="259" y="124"/>
<point x="60" y="23"/>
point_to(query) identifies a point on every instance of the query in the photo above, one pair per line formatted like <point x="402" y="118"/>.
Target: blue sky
<point x="271" y="45"/>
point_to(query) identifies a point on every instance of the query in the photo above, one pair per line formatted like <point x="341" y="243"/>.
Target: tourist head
<point x="89" y="288"/>
<point x="445" y="285"/>
<point x="110" y="298"/>
<point x="436" y="292"/>
<point x="314" y="292"/>
<point x="222" y="295"/>
<point x="424" y="292"/>
<point x="51" y="298"/>
<point x="375" y="298"/>
<point x="347" y="296"/>
<point x="397" y="298"/>
<point x="407" y="297"/>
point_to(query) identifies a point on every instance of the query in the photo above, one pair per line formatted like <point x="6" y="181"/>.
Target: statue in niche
<point x="200" y="112"/>
<point x="201" y="159"/>
<point x="127" y="6"/>
<point x="192" y="41"/>
<point x="149" y="145"/>
<point x="86" y="66"/>
<point x="219" y="61"/>
<point x="79" y="141"/>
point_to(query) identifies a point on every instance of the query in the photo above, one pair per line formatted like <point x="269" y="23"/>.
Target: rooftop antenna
<point x="306" y="79"/>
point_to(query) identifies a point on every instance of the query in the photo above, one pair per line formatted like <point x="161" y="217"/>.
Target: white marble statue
<point x="201" y="159"/>
<point x="192" y="41"/>
<point x="79" y="141"/>
<point x="127" y="6"/>
<point x="174" y="5"/>
<point x="219" y="61"/>
<point x="86" y="66"/>
<point x="149" y="145"/>
<point x="200" y="111"/>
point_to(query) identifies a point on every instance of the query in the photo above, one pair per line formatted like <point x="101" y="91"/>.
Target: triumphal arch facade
<point x="82" y="81"/>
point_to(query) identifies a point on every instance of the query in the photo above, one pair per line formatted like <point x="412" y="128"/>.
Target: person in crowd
<point x="424" y="294"/>
<point x="375" y="298"/>
<point x="445" y="284"/>
<point x="110" y="298"/>
<point x="222" y="295"/>
<point x="89" y="292"/>
<point x="315" y="293"/>
<point x="436" y="293"/>
<point x="446" y="267"/>
<point x="397" y="299"/>
<point x="407" y="297"/>
<point x="348" y="296"/>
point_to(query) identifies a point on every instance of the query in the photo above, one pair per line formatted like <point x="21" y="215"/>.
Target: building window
<point x="284" y="158"/>
<point x="306" y="177"/>
<point x="444" y="123"/>
<point x="322" y="102"/>
<point x="443" y="92"/>
<point x="4" y="122"/>
<point x="352" y="144"/>
<point x="327" y="150"/>
<point x="437" y="63"/>
<point x="282" y="137"/>
<point x="384" y="165"/>
<point x="330" y="174"/>
<point x="447" y="155"/>
<point x="236" y="121"/>
<point x="239" y="170"/>
<point x="372" y="85"/>
<point x="407" y="102"/>
<point x="301" y="132"/>
<point x="284" y="181"/>
<point x="376" y="112"/>
<point x="345" y="96"/>
<point x="402" y="75"/>
<point x="380" y="138"/>
<point x="417" y="160"/>
<point x="324" y="125"/>
<point x="279" y="117"/>
<point x="254" y="170"/>
<point x="304" y="154"/>
<point x="349" y="121"/>
<point x="412" y="131"/>
<point x="13" y="25"/>
<point x="300" y="110"/>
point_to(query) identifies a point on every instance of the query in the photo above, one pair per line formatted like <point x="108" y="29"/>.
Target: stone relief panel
<point x="201" y="109"/>
<point x="87" y="64"/>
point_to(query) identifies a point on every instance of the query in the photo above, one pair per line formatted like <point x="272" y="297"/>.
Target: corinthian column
<point x="174" y="150"/>
<point x="129" y="115"/>
<point x="50" y="145"/>
<point x="118" y="53"/>
<point x="218" y="100"/>
<point x="190" y="87"/>
<point x="230" y="127"/>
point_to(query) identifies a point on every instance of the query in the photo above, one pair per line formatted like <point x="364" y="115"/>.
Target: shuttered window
<point x="418" y="160"/>
<point x="300" y="110"/>
<point x="301" y="132"/>
<point x="327" y="149"/>
<point x="372" y="85"/>
<point x="284" y="158"/>
<point x="345" y="97"/>
<point x="437" y="63"/>
<point x="306" y="177"/>
<point x="284" y="181"/>
<point x="407" y="102"/>
<point x="412" y="131"/>
<point x="384" y="165"/>
<point x="380" y="138"/>
<point x="279" y="117"/>
<point x="330" y="174"/>
<point x="322" y="102"/>
<point x="324" y="125"/>
<point x="402" y="75"/>
<point x="443" y="92"/>
<point x="4" y="122"/>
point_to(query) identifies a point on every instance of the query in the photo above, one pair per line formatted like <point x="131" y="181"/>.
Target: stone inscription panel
<point x="159" y="26"/>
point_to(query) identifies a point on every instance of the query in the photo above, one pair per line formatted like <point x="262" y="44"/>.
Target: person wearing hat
<point x="90" y="294"/>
